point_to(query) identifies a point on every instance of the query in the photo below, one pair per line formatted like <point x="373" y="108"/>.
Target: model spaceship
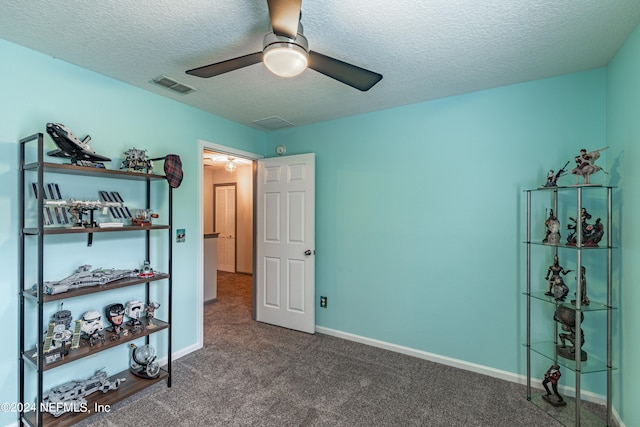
<point x="70" y="147"/>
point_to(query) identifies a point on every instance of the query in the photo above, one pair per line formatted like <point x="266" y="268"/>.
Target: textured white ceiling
<point x="425" y="49"/>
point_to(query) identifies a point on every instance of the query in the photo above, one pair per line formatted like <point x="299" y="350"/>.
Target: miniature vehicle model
<point x="144" y="217"/>
<point x="143" y="361"/>
<point x="69" y="146"/>
<point x="147" y="271"/>
<point x="70" y="396"/>
<point x="58" y="335"/>
<point x="136" y="160"/>
<point x="84" y="277"/>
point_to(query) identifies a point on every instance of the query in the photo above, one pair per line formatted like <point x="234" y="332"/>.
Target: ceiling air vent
<point x="273" y="123"/>
<point x="174" y="85"/>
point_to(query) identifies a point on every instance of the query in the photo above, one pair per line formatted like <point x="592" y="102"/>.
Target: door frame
<point x="235" y="220"/>
<point x="206" y="145"/>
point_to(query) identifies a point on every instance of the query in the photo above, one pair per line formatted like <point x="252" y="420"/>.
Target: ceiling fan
<point x="286" y="53"/>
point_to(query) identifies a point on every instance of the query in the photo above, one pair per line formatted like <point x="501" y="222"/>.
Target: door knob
<point x="307" y="252"/>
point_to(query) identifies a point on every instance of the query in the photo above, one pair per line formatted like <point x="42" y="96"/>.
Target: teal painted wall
<point x="623" y="133"/>
<point x="118" y="117"/>
<point x="420" y="213"/>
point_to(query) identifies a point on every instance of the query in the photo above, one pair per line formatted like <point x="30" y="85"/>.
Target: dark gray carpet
<point x="252" y="374"/>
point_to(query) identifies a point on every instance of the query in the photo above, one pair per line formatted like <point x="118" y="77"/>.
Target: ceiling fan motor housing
<point x="284" y="56"/>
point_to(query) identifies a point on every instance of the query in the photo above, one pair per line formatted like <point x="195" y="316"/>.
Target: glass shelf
<point x="591" y="365"/>
<point x="594" y="306"/>
<point x="562" y="245"/>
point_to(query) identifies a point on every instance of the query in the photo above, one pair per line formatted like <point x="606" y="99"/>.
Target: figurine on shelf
<point x="591" y="233"/>
<point x="553" y="229"/>
<point x="58" y="335"/>
<point x="585" y="165"/>
<point x="115" y="315"/>
<point x="151" y="309"/>
<point x="584" y="300"/>
<point x="553" y="272"/>
<point x="92" y="327"/>
<point x="143" y="361"/>
<point x="134" y="310"/>
<point x="136" y="160"/>
<point x="560" y="289"/>
<point x="146" y="270"/>
<point x="567" y="318"/>
<point x="552" y="178"/>
<point x="144" y="217"/>
<point x="552" y="376"/>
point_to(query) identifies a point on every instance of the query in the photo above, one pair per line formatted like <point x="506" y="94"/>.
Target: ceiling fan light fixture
<point x="285" y="57"/>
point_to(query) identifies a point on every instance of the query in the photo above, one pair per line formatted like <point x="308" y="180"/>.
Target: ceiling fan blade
<point x="226" y="66"/>
<point x="285" y="16"/>
<point x="348" y="74"/>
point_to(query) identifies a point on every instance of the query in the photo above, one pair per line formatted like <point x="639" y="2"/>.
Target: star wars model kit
<point x="70" y="396"/>
<point x="143" y="361"/>
<point x="71" y="147"/>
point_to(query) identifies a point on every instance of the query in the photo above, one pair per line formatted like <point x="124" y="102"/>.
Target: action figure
<point x="584" y="300"/>
<point x="552" y="273"/>
<point x="151" y="308"/>
<point x="552" y="376"/>
<point x="567" y="318"/>
<point x="591" y="233"/>
<point x="553" y="227"/>
<point x="560" y="290"/>
<point x="552" y="178"/>
<point x="585" y="165"/>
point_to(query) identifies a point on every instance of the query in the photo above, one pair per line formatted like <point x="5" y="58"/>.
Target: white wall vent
<point x="273" y="123"/>
<point x="172" y="84"/>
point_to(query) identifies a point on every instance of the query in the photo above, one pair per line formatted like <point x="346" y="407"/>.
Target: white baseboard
<point x="461" y="364"/>
<point x="182" y="352"/>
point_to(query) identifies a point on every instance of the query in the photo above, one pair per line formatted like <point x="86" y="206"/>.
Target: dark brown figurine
<point x="567" y="318"/>
<point x="552" y="376"/>
<point x="553" y="229"/>
<point x="553" y="272"/>
<point x="584" y="300"/>
<point x="591" y="233"/>
<point x="151" y="309"/>
<point x="585" y="165"/>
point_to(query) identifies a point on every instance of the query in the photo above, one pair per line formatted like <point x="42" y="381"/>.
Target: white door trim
<point x="206" y="145"/>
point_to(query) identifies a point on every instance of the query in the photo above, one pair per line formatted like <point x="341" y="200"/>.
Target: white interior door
<point x="225" y="224"/>
<point x="285" y="242"/>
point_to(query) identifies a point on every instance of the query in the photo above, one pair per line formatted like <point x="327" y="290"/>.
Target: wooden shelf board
<point x="86" y="350"/>
<point x="129" y="387"/>
<point x="89" y="171"/>
<point x="98" y="288"/>
<point x="71" y="230"/>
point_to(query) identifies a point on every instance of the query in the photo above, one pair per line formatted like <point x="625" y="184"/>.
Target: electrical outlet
<point x="323" y="302"/>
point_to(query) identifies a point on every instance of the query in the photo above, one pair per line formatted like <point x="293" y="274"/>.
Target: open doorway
<point x="227" y="217"/>
<point x="245" y="250"/>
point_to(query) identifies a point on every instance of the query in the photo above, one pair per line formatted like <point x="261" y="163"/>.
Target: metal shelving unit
<point x="32" y="357"/>
<point x="548" y="349"/>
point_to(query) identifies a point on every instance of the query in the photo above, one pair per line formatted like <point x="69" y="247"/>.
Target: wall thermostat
<point x="280" y="150"/>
